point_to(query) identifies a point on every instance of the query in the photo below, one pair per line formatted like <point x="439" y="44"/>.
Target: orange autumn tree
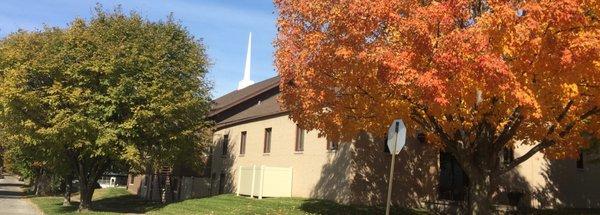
<point x="476" y="76"/>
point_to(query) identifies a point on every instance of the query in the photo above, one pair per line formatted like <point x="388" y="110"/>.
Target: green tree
<point x="114" y="88"/>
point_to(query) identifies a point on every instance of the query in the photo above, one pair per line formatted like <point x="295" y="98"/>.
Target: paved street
<point x="11" y="198"/>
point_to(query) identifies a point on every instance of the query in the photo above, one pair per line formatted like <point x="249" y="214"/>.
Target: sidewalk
<point x="12" y="200"/>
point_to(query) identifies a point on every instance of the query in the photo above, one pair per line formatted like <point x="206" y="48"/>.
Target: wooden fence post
<point x="192" y="188"/>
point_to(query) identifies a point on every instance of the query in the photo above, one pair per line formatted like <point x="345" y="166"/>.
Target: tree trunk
<point x="33" y="183"/>
<point x="42" y="185"/>
<point x="86" y="193"/>
<point x="67" y="189"/>
<point x="150" y="185"/>
<point x="480" y="194"/>
<point x="87" y="182"/>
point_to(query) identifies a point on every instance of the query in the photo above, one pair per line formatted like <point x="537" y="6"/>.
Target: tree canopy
<point x="113" y="88"/>
<point x="473" y="75"/>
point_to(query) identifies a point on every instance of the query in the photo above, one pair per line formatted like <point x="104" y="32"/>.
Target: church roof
<point x="255" y="101"/>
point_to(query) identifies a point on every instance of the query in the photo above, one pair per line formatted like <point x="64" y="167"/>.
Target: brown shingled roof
<point x="264" y="106"/>
<point x="238" y="96"/>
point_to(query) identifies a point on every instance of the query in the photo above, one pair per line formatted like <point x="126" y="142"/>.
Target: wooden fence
<point x="160" y="187"/>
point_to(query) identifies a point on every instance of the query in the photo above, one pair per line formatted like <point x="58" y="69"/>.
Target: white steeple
<point x="246" y="81"/>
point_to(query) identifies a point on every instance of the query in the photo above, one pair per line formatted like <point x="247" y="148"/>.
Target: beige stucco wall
<point x="357" y="172"/>
<point x="307" y="165"/>
<point x="555" y="183"/>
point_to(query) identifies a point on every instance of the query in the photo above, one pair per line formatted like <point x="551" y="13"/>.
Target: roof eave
<point x="233" y="104"/>
<point x="247" y="119"/>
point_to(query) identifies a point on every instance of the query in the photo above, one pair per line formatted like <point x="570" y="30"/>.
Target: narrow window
<point x="131" y="179"/>
<point x="267" y="145"/>
<point x="453" y="181"/>
<point x="225" y="143"/>
<point x="580" y="160"/>
<point x="332" y="145"/>
<point x="243" y="143"/>
<point x="299" y="139"/>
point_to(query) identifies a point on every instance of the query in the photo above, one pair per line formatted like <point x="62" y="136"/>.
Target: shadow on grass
<point x="118" y="204"/>
<point x="317" y="206"/>
<point x="125" y="204"/>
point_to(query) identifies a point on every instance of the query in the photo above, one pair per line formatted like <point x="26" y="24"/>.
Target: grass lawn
<point x="118" y="200"/>
<point x="105" y="201"/>
<point x="231" y="204"/>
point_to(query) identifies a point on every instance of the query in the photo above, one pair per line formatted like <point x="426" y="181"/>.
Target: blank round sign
<point x="396" y="136"/>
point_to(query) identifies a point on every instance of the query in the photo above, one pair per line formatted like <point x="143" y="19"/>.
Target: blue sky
<point x="223" y="26"/>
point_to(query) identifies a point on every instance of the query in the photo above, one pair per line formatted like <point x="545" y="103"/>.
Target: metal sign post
<point x="389" y="194"/>
<point x="396" y="140"/>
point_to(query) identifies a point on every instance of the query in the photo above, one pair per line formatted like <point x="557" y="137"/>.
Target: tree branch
<point x="595" y="110"/>
<point x="422" y="122"/>
<point x="451" y="145"/>
<point x="509" y="129"/>
<point x="545" y="143"/>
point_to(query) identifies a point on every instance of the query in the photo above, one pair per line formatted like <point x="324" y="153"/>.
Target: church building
<point x="251" y="129"/>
